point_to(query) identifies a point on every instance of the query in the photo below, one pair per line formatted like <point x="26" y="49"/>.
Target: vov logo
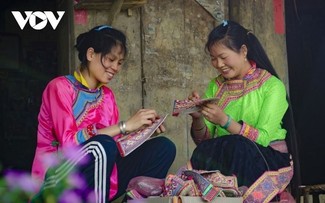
<point x="38" y="19"/>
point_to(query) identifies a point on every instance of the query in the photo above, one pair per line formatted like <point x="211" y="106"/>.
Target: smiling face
<point x="231" y="64"/>
<point x="101" y="69"/>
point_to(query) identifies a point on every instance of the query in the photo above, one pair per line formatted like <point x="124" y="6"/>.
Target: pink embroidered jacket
<point x="67" y="109"/>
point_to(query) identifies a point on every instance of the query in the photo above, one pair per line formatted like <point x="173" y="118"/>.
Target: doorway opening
<point x="305" y="34"/>
<point x="29" y="60"/>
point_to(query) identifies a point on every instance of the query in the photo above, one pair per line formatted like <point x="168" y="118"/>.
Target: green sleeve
<point x="273" y="109"/>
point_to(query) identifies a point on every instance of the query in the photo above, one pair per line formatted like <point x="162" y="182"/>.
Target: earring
<point x="245" y="56"/>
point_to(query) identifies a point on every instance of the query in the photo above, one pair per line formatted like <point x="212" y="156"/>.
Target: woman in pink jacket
<point x="79" y="110"/>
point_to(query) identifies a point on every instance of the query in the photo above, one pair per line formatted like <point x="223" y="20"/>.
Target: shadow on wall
<point x="306" y="59"/>
<point x="28" y="61"/>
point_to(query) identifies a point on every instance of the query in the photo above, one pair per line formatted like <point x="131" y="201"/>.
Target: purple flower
<point x="76" y="181"/>
<point x="69" y="196"/>
<point x="91" y="198"/>
<point x="72" y="152"/>
<point x="21" y="181"/>
<point x="50" y="160"/>
<point x="28" y="184"/>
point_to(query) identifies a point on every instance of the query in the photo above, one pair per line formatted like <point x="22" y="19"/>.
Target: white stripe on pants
<point x="100" y="176"/>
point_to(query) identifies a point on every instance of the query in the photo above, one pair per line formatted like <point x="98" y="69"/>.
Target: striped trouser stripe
<point x="97" y="150"/>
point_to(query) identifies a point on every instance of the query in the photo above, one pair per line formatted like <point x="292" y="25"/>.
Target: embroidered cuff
<point x="91" y="130"/>
<point x="249" y="132"/>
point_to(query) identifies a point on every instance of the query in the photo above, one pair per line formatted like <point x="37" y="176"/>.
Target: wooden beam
<point x="216" y="10"/>
<point x="107" y="4"/>
<point x="114" y="11"/>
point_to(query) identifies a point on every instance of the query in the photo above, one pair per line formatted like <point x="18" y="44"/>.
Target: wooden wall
<point x="258" y="16"/>
<point x="167" y="59"/>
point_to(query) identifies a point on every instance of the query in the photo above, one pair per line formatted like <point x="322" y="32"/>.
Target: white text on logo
<point x="43" y="16"/>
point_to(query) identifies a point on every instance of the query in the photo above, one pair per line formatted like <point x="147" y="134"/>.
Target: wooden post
<point x="115" y="9"/>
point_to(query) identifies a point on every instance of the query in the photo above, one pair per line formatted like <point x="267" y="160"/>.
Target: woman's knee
<point x="166" y="146"/>
<point x="104" y="142"/>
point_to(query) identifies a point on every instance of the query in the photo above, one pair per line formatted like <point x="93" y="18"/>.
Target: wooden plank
<point x="216" y="10"/>
<point x="114" y="10"/>
<point x="107" y="4"/>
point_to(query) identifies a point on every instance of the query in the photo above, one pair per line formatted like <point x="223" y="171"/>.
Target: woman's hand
<point x="195" y="96"/>
<point x="160" y="129"/>
<point x="142" y="119"/>
<point x="213" y="113"/>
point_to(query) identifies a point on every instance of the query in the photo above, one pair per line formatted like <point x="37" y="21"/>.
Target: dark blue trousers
<point x="153" y="158"/>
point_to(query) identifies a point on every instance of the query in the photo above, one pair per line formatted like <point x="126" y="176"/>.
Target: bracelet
<point x="199" y="129"/>
<point x="122" y="127"/>
<point x="202" y="135"/>
<point x="227" y="124"/>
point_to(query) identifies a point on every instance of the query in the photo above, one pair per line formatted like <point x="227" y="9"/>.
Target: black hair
<point x="233" y="36"/>
<point x="102" y="39"/>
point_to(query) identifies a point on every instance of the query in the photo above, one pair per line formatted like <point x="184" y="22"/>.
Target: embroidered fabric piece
<point x="228" y="184"/>
<point x="267" y="186"/>
<point x="234" y="89"/>
<point x="128" y="143"/>
<point x="209" y="192"/>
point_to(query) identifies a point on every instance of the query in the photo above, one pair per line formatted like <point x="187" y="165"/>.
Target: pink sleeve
<point x="58" y="98"/>
<point x="110" y="111"/>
